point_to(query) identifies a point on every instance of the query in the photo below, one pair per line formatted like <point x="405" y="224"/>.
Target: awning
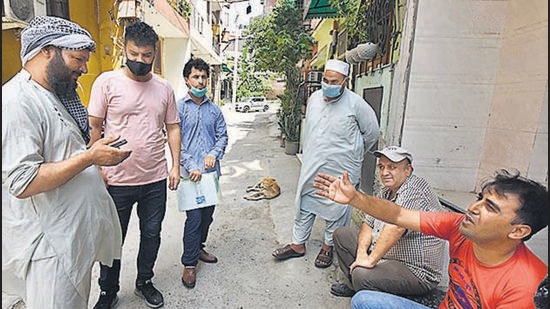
<point x="226" y="69"/>
<point x="321" y="9"/>
<point x="205" y="52"/>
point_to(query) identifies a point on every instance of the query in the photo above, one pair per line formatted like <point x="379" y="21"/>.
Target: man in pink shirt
<point x="137" y="105"/>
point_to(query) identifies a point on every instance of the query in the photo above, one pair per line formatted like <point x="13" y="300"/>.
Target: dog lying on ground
<point x="267" y="188"/>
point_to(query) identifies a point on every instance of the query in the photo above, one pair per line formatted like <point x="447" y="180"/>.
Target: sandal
<point x="286" y="252"/>
<point x="323" y="259"/>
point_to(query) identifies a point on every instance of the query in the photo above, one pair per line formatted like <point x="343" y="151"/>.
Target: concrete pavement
<point x="242" y="236"/>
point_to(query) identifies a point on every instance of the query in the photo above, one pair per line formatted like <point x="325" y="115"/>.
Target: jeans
<point x="366" y="299"/>
<point x="195" y="233"/>
<point x="151" y="208"/>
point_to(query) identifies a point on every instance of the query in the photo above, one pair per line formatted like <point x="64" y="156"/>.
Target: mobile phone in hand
<point x="118" y="143"/>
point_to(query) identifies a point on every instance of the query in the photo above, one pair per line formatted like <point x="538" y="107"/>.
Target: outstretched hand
<point x="340" y="190"/>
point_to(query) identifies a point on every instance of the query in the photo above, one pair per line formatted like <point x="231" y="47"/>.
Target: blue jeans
<point x="151" y="208"/>
<point x="366" y="299"/>
<point x="195" y="233"/>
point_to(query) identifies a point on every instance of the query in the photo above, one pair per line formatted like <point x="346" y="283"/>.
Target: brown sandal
<point x="323" y="259"/>
<point x="286" y="252"/>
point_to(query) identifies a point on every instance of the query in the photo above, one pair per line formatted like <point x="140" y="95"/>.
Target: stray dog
<point x="266" y="188"/>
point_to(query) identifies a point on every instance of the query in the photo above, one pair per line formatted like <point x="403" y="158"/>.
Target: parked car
<point x="252" y="104"/>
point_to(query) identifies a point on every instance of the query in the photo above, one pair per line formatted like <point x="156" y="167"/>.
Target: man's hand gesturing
<point x="340" y="190"/>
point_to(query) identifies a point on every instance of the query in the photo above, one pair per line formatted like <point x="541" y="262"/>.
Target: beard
<point x="59" y="76"/>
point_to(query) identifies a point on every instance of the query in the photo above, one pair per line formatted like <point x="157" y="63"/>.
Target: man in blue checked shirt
<point x="203" y="143"/>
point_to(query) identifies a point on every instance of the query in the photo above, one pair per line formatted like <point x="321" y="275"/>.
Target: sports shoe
<point x="106" y="300"/>
<point x="153" y="298"/>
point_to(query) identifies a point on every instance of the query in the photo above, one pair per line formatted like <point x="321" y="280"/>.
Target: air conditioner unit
<point x="129" y="9"/>
<point x="24" y="10"/>
<point x="314" y="77"/>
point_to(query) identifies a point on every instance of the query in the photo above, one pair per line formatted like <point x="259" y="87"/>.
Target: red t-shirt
<point x="511" y="284"/>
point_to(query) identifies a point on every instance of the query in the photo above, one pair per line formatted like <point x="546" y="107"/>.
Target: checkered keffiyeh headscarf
<point x="49" y="30"/>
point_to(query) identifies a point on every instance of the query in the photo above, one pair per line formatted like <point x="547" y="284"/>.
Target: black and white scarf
<point x="79" y="113"/>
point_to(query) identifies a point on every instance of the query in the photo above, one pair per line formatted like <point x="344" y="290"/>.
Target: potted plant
<point x="289" y="120"/>
<point x="279" y="41"/>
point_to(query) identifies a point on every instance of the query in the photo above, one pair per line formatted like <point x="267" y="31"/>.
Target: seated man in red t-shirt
<point x="490" y="266"/>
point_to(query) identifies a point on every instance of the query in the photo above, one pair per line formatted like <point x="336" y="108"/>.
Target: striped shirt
<point x="422" y="254"/>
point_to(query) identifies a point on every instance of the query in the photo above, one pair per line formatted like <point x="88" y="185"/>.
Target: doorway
<point x="373" y="96"/>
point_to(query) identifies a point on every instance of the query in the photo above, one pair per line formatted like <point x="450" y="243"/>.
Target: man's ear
<point x="346" y="81"/>
<point x="48" y="51"/>
<point x="410" y="169"/>
<point x="520" y="231"/>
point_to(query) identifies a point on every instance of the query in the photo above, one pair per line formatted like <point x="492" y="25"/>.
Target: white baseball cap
<point x="394" y="153"/>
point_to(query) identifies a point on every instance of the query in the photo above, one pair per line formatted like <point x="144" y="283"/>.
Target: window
<point x="59" y="8"/>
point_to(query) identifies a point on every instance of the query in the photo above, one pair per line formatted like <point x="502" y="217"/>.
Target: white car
<point x="252" y="104"/>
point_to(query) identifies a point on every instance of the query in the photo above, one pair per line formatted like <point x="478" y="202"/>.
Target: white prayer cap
<point x="337" y="66"/>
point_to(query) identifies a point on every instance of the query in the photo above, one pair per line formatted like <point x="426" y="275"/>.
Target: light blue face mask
<point x="331" y="91"/>
<point x="199" y="93"/>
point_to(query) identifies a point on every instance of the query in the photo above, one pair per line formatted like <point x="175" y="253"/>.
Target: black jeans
<point x="151" y="208"/>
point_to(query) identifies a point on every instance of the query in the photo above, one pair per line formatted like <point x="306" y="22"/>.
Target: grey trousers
<point x="303" y="225"/>
<point x="387" y="276"/>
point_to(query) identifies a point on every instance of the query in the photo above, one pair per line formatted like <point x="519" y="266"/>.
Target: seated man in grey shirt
<point x="385" y="257"/>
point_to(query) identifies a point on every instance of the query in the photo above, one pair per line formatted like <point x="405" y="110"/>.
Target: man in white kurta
<point x="340" y="128"/>
<point x="57" y="216"/>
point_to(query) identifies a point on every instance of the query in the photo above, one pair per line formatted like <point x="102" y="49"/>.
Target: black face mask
<point x="139" y="68"/>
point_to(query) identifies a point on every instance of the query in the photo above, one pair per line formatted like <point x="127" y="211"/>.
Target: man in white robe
<point x="57" y="216"/>
<point x="340" y="128"/>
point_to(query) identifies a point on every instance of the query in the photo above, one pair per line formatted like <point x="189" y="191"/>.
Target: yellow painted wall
<point x="93" y="16"/>
<point x="11" y="62"/>
<point x="323" y="38"/>
<point x="85" y="14"/>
